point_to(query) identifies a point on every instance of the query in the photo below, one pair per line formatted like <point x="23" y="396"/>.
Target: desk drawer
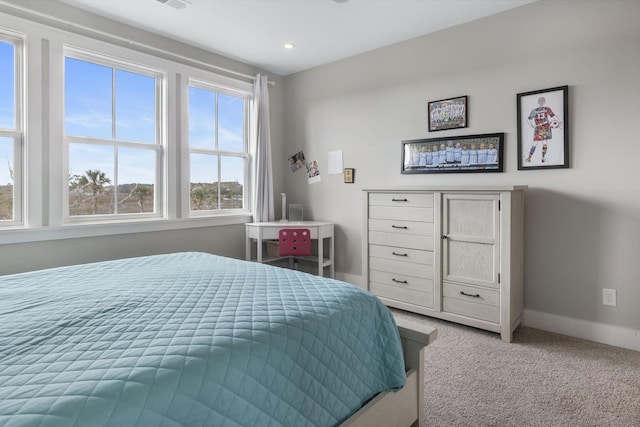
<point x="400" y="199"/>
<point x="478" y="303"/>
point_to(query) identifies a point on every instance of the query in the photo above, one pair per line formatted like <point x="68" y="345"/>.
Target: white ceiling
<point x="323" y="31"/>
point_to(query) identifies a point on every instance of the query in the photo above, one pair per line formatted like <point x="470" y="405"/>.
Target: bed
<point x="194" y="339"/>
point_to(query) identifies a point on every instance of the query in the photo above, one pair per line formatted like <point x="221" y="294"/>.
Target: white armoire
<point x="455" y="253"/>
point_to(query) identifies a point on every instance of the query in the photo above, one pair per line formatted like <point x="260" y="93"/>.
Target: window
<point x="113" y="119"/>
<point x="116" y="140"/>
<point x="11" y="134"/>
<point x="218" y="148"/>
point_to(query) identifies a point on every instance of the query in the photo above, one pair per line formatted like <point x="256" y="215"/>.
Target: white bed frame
<point x="406" y="406"/>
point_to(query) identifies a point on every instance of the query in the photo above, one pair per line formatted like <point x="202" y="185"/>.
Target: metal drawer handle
<point x="399" y="200"/>
<point x="404" y="227"/>
<point x="397" y="254"/>
<point x="469" y="295"/>
<point x="400" y="281"/>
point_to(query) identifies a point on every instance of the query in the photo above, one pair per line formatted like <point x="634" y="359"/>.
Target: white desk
<point x="260" y="231"/>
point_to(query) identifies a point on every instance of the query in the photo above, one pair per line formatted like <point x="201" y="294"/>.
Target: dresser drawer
<point x="401" y="267"/>
<point x="397" y="293"/>
<point x="401" y="254"/>
<point x="403" y="213"/>
<point x="424" y="243"/>
<point x="402" y="227"/>
<point x="400" y="199"/>
<point x="419" y="284"/>
<point x="478" y="303"/>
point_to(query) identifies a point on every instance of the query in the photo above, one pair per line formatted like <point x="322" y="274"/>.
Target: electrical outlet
<point x="609" y="297"/>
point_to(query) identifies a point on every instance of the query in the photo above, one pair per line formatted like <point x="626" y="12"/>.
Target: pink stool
<point x="294" y="242"/>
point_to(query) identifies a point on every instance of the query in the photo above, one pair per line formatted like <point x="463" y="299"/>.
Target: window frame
<point x="17" y="134"/>
<point x="212" y="83"/>
<point x="44" y="168"/>
<point x="158" y="147"/>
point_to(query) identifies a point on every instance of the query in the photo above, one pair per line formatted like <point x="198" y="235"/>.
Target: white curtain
<point x="263" y="205"/>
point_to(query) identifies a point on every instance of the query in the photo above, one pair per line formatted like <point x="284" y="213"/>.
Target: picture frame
<point x="469" y="153"/>
<point x="451" y="113"/>
<point x="543" y="128"/>
<point x="349" y="175"/>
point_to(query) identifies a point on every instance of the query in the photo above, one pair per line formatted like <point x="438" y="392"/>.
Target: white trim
<point x="16" y="133"/>
<point x="47" y="153"/>
<point x="73" y="231"/>
<point x="599" y="332"/>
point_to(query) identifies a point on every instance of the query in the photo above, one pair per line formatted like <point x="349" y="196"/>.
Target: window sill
<point x="74" y="231"/>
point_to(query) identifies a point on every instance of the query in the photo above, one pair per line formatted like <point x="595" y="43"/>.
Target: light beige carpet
<point x="541" y="379"/>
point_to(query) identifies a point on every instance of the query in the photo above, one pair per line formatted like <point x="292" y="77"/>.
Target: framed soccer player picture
<point x="543" y="129"/>
<point x="467" y="153"/>
<point x="448" y="114"/>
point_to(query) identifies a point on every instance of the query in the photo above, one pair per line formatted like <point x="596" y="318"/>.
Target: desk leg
<point x="320" y="256"/>
<point x="259" y="248"/>
<point x="332" y="268"/>
<point x="247" y="249"/>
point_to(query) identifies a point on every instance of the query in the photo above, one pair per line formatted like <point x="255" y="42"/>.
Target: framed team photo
<point x="448" y="114"/>
<point x="469" y="153"/>
<point x="543" y="129"/>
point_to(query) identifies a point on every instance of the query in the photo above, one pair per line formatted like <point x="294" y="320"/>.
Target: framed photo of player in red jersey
<point x="543" y="129"/>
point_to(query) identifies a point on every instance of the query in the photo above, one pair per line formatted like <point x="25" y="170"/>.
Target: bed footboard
<point x="404" y="407"/>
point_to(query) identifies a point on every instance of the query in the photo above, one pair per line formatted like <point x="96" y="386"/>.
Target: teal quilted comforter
<point x="189" y="339"/>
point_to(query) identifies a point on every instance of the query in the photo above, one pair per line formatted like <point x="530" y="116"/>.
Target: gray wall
<point x="223" y="240"/>
<point x="226" y="241"/>
<point x="582" y="224"/>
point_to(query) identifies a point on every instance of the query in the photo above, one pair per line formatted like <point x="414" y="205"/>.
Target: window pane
<point x="87" y="99"/>
<point x="90" y="179"/>
<point x="7" y="86"/>
<point x="6" y="179"/>
<point x="204" y="182"/>
<point x="136" y="179"/>
<point x="232" y="186"/>
<point x="135" y="107"/>
<point x="202" y="118"/>
<point x="230" y="123"/>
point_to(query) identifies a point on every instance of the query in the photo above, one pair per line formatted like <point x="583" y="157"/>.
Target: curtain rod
<point x="32" y="13"/>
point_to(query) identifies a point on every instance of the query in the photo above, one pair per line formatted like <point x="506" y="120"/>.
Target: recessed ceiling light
<point x="289" y="45"/>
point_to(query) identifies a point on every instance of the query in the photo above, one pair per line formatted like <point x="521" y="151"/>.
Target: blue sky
<point x="202" y="134"/>
<point x="7" y="109"/>
<point x="88" y="112"/>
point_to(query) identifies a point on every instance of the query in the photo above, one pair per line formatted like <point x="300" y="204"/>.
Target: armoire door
<point x="471" y="239"/>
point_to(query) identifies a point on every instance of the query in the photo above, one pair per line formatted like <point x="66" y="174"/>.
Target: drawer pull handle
<point x="469" y="295"/>
<point x="399" y="200"/>
<point x="404" y="227"/>
<point x="397" y="254"/>
<point x="404" y="282"/>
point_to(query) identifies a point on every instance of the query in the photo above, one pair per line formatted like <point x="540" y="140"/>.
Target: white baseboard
<point x="592" y="331"/>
